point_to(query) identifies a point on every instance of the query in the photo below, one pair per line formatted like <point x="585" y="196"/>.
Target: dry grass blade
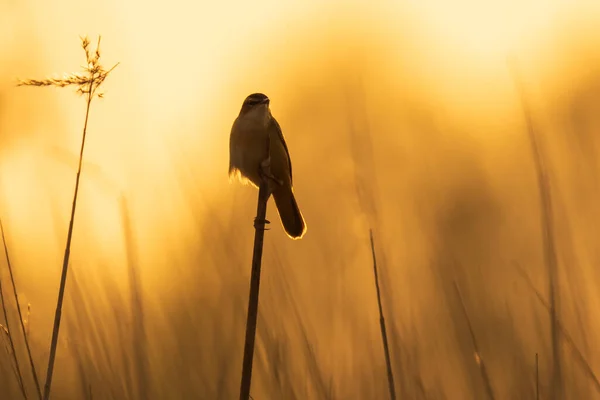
<point x="563" y="331"/>
<point x="26" y="322"/>
<point x="537" y="377"/>
<point x="547" y="222"/>
<point x="384" y="337"/>
<point x="139" y="345"/>
<point x="88" y="84"/>
<point x="478" y="358"/>
<point x="21" y="319"/>
<point x="11" y="342"/>
<point x="323" y="388"/>
<point x="4" y="334"/>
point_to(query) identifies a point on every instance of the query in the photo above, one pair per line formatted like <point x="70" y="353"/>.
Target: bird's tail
<point x="289" y="213"/>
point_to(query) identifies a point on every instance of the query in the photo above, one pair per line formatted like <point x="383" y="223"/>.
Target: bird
<point x="257" y="151"/>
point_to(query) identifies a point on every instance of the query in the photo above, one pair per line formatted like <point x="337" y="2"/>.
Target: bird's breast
<point x="249" y="146"/>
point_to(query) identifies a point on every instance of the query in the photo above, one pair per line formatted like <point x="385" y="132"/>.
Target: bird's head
<point x="256" y="101"/>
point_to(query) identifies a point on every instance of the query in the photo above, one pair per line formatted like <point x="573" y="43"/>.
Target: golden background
<point x="402" y="117"/>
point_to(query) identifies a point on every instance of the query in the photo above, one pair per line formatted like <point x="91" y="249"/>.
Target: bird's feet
<point x="261" y="224"/>
<point x="265" y="172"/>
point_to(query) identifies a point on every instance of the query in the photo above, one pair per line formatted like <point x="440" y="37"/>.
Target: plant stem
<point x="261" y="214"/>
<point x="139" y="344"/>
<point x="12" y="344"/>
<point x="583" y="362"/>
<point x="480" y="361"/>
<point x="386" y="348"/>
<point x="537" y="377"/>
<point x="25" y="336"/>
<point x="547" y="222"/>
<point x="65" y="266"/>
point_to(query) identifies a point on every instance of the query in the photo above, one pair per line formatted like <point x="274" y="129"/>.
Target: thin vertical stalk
<point x="480" y="361"/>
<point x="20" y="314"/>
<point x="547" y="222"/>
<point x="139" y="344"/>
<point x="65" y="266"/>
<point x="537" y="377"/>
<point x="386" y="348"/>
<point x="87" y="83"/>
<point x="577" y="353"/>
<point x="12" y="344"/>
<point x="259" y="225"/>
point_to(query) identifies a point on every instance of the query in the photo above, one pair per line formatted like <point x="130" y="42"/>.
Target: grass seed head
<point x="87" y="82"/>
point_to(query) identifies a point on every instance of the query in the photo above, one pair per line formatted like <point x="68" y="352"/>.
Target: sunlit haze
<point x="402" y="117"/>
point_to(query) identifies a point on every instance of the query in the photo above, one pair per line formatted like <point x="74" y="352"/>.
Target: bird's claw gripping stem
<point x="261" y="224"/>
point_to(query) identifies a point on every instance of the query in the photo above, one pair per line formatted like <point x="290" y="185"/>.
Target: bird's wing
<point x="287" y="152"/>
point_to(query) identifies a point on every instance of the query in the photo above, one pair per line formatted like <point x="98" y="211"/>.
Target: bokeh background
<point x="402" y="117"/>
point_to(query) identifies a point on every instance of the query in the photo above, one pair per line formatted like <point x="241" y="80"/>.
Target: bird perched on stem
<point x="257" y="151"/>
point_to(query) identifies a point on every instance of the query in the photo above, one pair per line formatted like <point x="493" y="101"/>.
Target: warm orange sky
<point x="430" y="75"/>
<point x="185" y="68"/>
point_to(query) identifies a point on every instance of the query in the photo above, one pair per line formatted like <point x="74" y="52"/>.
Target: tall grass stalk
<point x="485" y="376"/>
<point x="537" y="377"/>
<point x="384" y="337"/>
<point x="20" y="314"/>
<point x="366" y="186"/>
<point x="581" y="360"/>
<point x="252" y="316"/>
<point x="139" y="344"/>
<point x="87" y="84"/>
<point x="547" y="222"/>
<point x="4" y="338"/>
<point x="11" y="342"/>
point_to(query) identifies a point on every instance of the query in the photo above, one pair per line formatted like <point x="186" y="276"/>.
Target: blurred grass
<point x="122" y="343"/>
<point x="449" y="204"/>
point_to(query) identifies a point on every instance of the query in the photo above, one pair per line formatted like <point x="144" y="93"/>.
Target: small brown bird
<point x="257" y="148"/>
